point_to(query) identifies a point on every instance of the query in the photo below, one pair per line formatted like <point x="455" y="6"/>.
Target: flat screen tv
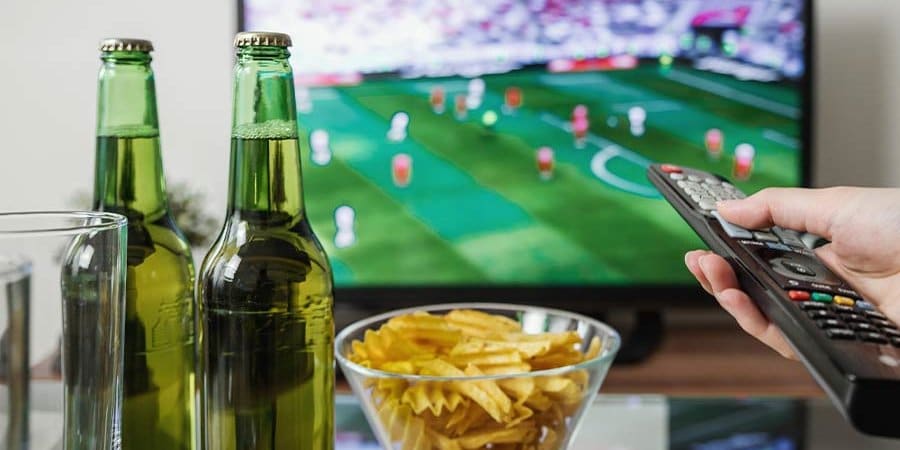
<point x="496" y="149"/>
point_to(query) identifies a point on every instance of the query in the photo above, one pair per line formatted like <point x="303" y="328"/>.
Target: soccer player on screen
<point x="401" y="170"/>
<point x="743" y="161"/>
<point x="545" y="162"/>
<point x="459" y="107"/>
<point x="437" y="99"/>
<point x="512" y="100"/>
<point x="714" y="141"/>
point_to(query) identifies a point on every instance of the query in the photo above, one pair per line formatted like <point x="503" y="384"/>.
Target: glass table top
<point x="621" y="422"/>
<point x="655" y="422"/>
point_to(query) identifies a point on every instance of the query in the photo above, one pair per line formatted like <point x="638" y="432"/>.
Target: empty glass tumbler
<point x="62" y="281"/>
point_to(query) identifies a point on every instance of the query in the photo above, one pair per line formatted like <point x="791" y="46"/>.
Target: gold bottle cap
<point x="261" y="38"/>
<point x="125" y="45"/>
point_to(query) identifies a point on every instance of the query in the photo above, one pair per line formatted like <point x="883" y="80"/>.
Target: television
<point x="496" y="149"/>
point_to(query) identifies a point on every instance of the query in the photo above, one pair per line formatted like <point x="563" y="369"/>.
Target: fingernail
<point x="700" y="262"/>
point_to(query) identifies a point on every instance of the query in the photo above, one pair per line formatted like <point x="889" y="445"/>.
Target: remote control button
<point x="778" y="246"/>
<point x="712" y="181"/>
<point x="821" y="297"/>
<point x="840" y="333"/>
<point x="798" y="296"/>
<point x="891" y="333"/>
<point x="895" y="342"/>
<point x="865" y="327"/>
<point x="862" y="304"/>
<point x="694" y="178"/>
<point x="854" y="318"/>
<point x="876" y="338"/>
<point x="766" y="237"/>
<point x="884" y="323"/>
<point x="817" y="314"/>
<point x="873" y="314"/>
<point x="799" y="269"/>
<point x="789" y="237"/>
<point x="841" y="300"/>
<point x="676" y="176"/>
<point x="809" y="306"/>
<point x="843" y="309"/>
<point x="670" y="168"/>
<point x="731" y="229"/>
<point x="708" y="205"/>
<point x="830" y="323"/>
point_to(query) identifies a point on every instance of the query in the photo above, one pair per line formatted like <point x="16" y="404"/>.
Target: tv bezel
<point x="587" y="299"/>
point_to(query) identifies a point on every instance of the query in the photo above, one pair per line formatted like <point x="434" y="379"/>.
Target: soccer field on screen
<point x="476" y="211"/>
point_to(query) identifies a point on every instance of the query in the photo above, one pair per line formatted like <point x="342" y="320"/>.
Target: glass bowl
<point x="543" y="410"/>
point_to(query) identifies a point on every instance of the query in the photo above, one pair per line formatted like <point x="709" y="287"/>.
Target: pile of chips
<point x="519" y="412"/>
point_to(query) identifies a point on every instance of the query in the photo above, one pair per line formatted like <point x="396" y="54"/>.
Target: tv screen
<point x="503" y="144"/>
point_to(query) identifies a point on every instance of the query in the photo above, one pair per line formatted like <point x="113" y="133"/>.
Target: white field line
<point x="608" y="151"/>
<point x="734" y="94"/>
<point x="780" y="138"/>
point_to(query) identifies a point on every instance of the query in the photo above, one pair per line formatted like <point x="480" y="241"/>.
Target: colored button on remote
<point x="798" y="296"/>
<point x="821" y="297"/>
<point x="670" y="168"/>
<point x="865" y="305"/>
<point x="846" y="301"/>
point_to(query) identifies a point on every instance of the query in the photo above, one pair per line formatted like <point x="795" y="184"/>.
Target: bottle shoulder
<point x="159" y="240"/>
<point x="246" y="261"/>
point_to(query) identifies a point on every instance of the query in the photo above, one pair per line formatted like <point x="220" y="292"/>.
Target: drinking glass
<point x="62" y="287"/>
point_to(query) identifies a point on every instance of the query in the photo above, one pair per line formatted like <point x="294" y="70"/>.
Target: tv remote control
<point x="852" y="350"/>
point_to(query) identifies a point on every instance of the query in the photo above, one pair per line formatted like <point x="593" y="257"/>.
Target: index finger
<point x="809" y="210"/>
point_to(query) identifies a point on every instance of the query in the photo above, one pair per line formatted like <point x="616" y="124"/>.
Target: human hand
<point x="863" y="225"/>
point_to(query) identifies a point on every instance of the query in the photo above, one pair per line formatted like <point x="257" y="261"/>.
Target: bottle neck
<point x="265" y="183"/>
<point x="128" y="174"/>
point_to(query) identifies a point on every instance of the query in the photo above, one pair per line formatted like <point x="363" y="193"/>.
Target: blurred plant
<point x="187" y="208"/>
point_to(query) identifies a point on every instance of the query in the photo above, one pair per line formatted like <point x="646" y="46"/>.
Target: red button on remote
<point x="670" y="168"/>
<point x="798" y="296"/>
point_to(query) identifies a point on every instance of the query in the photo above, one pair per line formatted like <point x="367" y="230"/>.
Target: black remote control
<point x="852" y="350"/>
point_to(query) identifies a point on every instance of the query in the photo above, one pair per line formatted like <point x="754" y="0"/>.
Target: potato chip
<point x="505" y="369"/>
<point x="505" y="357"/>
<point x="513" y="413"/>
<point x="519" y="388"/>
<point x="558" y="359"/>
<point x="442" y="442"/>
<point x="481" y="438"/>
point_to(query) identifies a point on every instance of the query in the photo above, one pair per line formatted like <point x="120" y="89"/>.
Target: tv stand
<point x="642" y="338"/>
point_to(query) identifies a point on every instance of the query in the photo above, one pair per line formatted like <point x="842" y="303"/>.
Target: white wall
<point x="48" y="87"/>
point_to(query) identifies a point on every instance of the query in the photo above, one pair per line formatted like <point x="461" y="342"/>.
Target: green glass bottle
<point x="158" y="409"/>
<point x="265" y="326"/>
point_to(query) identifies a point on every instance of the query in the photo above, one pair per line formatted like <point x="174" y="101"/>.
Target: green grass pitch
<point x="476" y="212"/>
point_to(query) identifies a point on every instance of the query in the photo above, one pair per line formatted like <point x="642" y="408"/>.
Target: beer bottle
<point x="159" y="312"/>
<point x="265" y="293"/>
